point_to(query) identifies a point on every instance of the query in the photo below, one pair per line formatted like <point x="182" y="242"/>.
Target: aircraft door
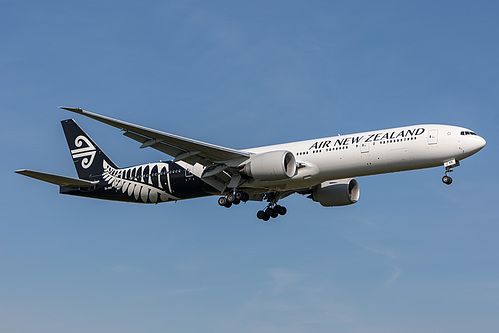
<point x="433" y="137"/>
<point x="364" y="152"/>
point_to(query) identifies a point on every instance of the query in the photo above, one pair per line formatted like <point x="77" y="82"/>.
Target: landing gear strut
<point x="448" y="168"/>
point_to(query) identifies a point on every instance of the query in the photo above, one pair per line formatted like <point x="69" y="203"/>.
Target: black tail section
<point x="87" y="156"/>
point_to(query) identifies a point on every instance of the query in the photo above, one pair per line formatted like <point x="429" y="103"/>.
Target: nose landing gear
<point x="448" y="168"/>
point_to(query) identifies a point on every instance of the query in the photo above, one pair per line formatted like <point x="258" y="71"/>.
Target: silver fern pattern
<point x="143" y="182"/>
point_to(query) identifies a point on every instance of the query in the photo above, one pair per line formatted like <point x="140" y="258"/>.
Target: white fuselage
<point x="374" y="152"/>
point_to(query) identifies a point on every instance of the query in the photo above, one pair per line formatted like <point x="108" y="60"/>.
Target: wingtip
<point x="77" y="110"/>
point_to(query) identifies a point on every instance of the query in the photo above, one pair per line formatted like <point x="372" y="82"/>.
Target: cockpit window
<point x="467" y="133"/>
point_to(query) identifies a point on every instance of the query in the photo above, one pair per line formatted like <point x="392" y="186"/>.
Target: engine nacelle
<point x="274" y="165"/>
<point x="339" y="192"/>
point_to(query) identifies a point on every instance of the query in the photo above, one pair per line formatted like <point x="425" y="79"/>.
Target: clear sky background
<point x="413" y="255"/>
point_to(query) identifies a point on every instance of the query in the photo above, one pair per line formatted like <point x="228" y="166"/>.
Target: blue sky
<point x="412" y="255"/>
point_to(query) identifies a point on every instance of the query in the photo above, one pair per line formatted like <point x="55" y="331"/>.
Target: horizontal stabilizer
<point x="56" y="179"/>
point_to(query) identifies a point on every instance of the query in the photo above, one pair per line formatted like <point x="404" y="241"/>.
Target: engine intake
<point x="274" y="165"/>
<point x="339" y="192"/>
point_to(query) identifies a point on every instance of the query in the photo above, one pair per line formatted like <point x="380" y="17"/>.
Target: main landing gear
<point x="448" y="168"/>
<point x="233" y="198"/>
<point x="273" y="210"/>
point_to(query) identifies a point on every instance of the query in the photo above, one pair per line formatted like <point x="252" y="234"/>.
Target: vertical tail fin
<point x="87" y="156"/>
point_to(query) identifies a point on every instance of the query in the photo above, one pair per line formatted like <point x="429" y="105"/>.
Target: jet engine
<point x="274" y="165"/>
<point x="339" y="192"/>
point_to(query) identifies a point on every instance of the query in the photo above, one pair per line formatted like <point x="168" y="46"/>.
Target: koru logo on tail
<point x="87" y="152"/>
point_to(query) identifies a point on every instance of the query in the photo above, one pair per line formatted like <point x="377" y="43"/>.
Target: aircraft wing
<point x="56" y="179"/>
<point x="182" y="149"/>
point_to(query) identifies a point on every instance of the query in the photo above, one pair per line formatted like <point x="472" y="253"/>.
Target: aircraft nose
<point x="480" y="142"/>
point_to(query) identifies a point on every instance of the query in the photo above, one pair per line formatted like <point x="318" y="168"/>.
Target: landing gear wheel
<point x="281" y="210"/>
<point x="447" y="180"/>
<point x="262" y="215"/>
<point x="231" y="197"/>
<point x="222" y="201"/>
<point x="242" y="196"/>
<point x="272" y="212"/>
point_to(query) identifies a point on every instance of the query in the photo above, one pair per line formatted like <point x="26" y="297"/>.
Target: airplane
<point x="323" y="169"/>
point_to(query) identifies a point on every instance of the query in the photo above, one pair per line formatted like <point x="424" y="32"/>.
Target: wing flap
<point x="154" y="143"/>
<point x="56" y="179"/>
